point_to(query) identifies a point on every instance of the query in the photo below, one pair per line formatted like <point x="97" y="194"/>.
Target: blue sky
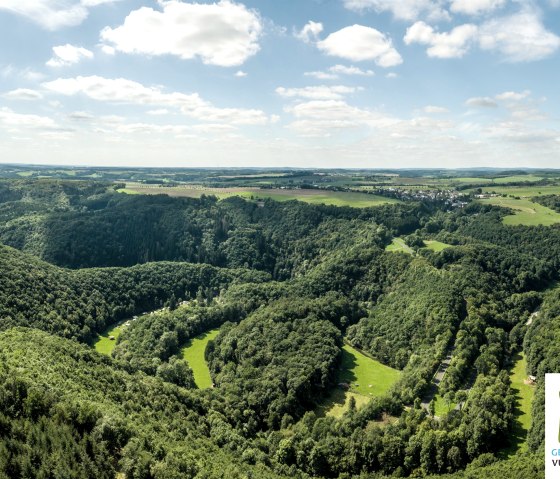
<point x="305" y="83"/>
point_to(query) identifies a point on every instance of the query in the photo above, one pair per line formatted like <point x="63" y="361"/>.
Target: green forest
<point x="285" y="288"/>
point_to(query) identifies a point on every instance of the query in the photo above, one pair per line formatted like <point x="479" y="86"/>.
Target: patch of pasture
<point x="398" y="245"/>
<point x="193" y="353"/>
<point x="524" y="393"/>
<point x="443" y="406"/>
<point x="518" y="179"/>
<point x="522" y="191"/>
<point x="335" y="198"/>
<point x="436" y="246"/>
<point x="366" y="378"/>
<point x="526" y="212"/>
<point x="103" y="344"/>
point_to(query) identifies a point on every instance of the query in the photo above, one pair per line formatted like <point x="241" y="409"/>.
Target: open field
<point x="366" y="378"/>
<point x="518" y="179"/>
<point x="527" y="212"/>
<point x="524" y="396"/>
<point x="522" y="191"/>
<point x="436" y="245"/>
<point x="442" y="407"/>
<point x="103" y="344"/>
<point x="398" y="245"/>
<point x="193" y="353"/>
<point x="336" y="198"/>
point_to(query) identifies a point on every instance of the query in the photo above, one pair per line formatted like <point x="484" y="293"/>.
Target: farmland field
<point x="366" y="378"/>
<point x="436" y="245"/>
<point x="193" y="353"/>
<point x="398" y="245"/>
<point x="524" y="395"/>
<point x="523" y="191"/>
<point x="527" y="213"/>
<point x="336" y="198"/>
<point x="103" y="344"/>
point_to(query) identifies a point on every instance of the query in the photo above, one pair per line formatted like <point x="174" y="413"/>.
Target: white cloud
<point x="125" y="91"/>
<point x="9" y="71"/>
<point x="520" y="37"/>
<point x="352" y="70"/>
<point x="14" y="120"/>
<point x="432" y="109"/>
<point x="23" y="94"/>
<point x="520" y="106"/>
<point x="391" y="75"/>
<point x="81" y="116"/>
<point x="476" y="7"/>
<point x="359" y="43"/>
<point x="482" y="102"/>
<point x="65" y="55"/>
<point x="158" y="112"/>
<point x="224" y="34"/>
<point x="336" y="71"/>
<point x="513" y="96"/>
<point x="403" y="9"/>
<point x="453" y="44"/>
<point x="240" y="74"/>
<point x="52" y="14"/>
<point x="317" y="92"/>
<point x="322" y="75"/>
<point x="322" y="118"/>
<point x="310" y="32"/>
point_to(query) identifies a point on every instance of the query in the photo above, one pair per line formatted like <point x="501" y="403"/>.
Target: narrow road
<point x="438" y="377"/>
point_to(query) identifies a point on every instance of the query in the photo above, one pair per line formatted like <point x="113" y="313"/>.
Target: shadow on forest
<point x="338" y="395"/>
<point x="518" y="435"/>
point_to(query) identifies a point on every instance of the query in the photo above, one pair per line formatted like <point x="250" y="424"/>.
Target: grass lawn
<point x="103" y="344"/>
<point x="193" y="353"/>
<point x="442" y="408"/>
<point x="436" y="245"/>
<point x="397" y="245"/>
<point x="524" y="398"/>
<point x="336" y="198"/>
<point x="527" y="213"/>
<point x="367" y="378"/>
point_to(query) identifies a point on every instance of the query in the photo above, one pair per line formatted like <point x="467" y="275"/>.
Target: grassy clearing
<point x="193" y="353"/>
<point x="436" y="245"/>
<point x="526" y="212"/>
<point x="467" y="180"/>
<point x="518" y="179"/>
<point x="336" y="198"/>
<point x="366" y="377"/>
<point x="103" y="344"/>
<point x="524" y="398"/>
<point x="522" y="191"/>
<point x="398" y="245"/>
<point x="442" y="406"/>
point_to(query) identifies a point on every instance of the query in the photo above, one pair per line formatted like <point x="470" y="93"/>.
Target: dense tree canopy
<point x="287" y="284"/>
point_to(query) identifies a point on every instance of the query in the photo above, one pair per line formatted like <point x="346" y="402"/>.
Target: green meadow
<point x="193" y="353"/>
<point x="398" y="245"/>
<point x="366" y="377"/>
<point x="436" y="245"/>
<point x="103" y="344"/>
<point x="335" y="198"/>
<point x="524" y="397"/>
<point x="522" y="191"/>
<point x="526" y="212"/>
<point x="442" y="406"/>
